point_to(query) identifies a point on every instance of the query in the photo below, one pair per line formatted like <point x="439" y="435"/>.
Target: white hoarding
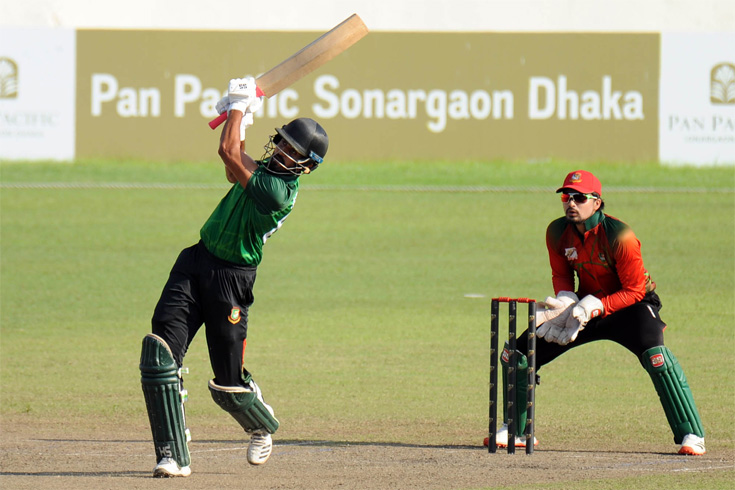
<point x="37" y="93"/>
<point x="697" y="99"/>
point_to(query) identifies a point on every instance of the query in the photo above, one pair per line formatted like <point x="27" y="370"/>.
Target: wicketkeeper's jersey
<point x="245" y="218"/>
<point x="607" y="261"/>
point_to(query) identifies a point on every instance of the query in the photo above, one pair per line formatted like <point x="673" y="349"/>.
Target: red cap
<point x="581" y="181"/>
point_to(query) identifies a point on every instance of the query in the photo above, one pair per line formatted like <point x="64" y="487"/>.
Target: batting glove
<point x="223" y="104"/>
<point x="241" y="93"/>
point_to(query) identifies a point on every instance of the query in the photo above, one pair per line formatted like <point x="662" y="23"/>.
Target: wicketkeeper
<point x="618" y="302"/>
<point x="211" y="283"/>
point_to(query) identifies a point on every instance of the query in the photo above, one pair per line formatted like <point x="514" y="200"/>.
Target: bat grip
<point x="218" y="120"/>
<point x="223" y="117"/>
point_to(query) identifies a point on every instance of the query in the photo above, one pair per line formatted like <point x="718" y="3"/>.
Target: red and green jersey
<point x="607" y="261"/>
<point x="245" y="218"/>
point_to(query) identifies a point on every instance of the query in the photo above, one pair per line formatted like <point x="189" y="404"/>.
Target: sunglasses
<point x="577" y="197"/>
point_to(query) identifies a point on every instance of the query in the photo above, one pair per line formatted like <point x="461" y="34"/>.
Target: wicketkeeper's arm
<point x="562" y="274"/>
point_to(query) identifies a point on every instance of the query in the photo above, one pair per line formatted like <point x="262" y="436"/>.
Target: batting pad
<point x="164" y="399"/>
<point x="521" y="401"/>
<point x="673" y="391"/>
<point x="246" y="405"/>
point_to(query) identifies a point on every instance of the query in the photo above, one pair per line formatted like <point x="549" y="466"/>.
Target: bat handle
<point x="218" y="120"/>
<point x="223" y="117"/>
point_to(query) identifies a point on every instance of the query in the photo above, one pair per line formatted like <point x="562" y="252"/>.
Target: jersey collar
<point x="594" y="220"/>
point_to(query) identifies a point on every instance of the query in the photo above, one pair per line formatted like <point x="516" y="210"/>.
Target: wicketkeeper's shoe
<point x="692" y="445"/>
<point x="501" y="438"/>
<point x="261" y="445"/>
<point x="168" y="468"/>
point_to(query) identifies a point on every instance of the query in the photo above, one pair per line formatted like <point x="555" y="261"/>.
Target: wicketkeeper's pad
<point x="673" y="391"/>
<point x="246" y="405"/>
<point x="164" y="399"/>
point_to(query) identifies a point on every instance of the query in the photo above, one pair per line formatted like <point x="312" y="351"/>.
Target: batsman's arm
<point x="239" y="164"/>
<point x="230" y="176"/>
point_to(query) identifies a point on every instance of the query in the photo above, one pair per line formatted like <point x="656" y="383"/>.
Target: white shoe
<point x="692" y="445"/>
<point x="261" y="445"/>
<point x="501" y="438"/>
<point x="167" y="468"/>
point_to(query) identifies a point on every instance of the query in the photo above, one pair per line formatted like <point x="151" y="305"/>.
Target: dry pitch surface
<point x="35" y="457"/>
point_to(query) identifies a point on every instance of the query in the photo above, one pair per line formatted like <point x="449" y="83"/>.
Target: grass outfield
<point x="366" y="326"/>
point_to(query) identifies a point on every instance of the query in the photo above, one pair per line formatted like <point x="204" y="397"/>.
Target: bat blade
<point x="312" y="56"/>
<point x="308" y="59"/>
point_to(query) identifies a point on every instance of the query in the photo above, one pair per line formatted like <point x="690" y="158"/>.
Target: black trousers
<point x="637" y="328"/>
<point x="203" y="289"/>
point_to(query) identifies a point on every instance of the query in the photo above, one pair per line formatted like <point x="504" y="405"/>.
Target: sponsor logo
<point x="506" y="355"/>
<point x="234" y="315"/>
<point x="164" y="451"/>
<point x="713" y="127"/>
<point x="722" y="84"/>
<point x="657" y="360"/>
<point x="547" y="99"/>
<point x="8" y="79"/>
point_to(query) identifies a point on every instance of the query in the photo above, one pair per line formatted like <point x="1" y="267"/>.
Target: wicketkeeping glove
<point x="553" y="328"/>
<point x="588" y="308"/>
<point x="570" y="331"/>
<point x="555" y="312"/>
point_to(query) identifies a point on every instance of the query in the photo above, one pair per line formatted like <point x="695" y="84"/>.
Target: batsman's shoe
<point x="692" y="445"/>
<point x="501" y="438"/>
<point x="168" y="468"/>
<point x="260" y="448"/>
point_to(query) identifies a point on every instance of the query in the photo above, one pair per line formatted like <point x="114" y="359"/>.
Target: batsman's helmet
<point x="307" y="137"/>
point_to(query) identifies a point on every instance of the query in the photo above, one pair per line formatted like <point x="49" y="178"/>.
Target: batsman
<point x="211" y="284"/>
<point x="614" y="299"/>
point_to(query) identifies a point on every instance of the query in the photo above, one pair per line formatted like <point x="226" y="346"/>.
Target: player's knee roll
<point x="246" y="406"/>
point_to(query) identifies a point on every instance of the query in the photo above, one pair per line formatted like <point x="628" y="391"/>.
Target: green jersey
<point x="245" y="218"/>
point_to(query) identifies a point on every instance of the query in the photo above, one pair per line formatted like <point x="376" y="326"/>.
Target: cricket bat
<point x="308" y="59"/>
